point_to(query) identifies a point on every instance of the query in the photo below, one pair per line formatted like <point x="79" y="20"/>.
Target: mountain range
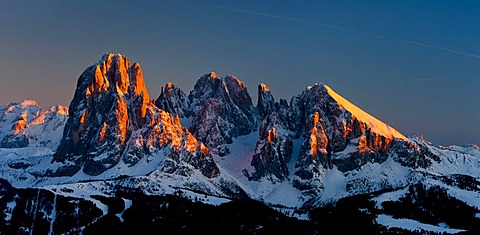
<point x="116" y="148"/>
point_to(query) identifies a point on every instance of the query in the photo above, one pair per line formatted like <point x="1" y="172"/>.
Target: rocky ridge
<point x="112" y="119"/>
<point x="313" y="149"/>
<point x="26" y="124"/>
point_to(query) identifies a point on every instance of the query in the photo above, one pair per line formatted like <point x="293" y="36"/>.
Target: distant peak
<point x="316" y="86"/>
<point x="29" y="102"/>
<point x="263" y="87"/>
<point x="168" y="86"/>
<point x="232" y="79"/>
<point x="60" y="109"/>
<point x="213" y="75"/>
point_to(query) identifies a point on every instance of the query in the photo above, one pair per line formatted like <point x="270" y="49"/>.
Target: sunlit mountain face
<point x="211" y="160"/>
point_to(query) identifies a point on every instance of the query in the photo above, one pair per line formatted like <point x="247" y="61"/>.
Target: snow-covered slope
<point x="293" y="156"/>
<point x="26" y="124"/>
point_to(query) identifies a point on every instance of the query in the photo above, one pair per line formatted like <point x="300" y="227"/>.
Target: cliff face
<point x="174" y="101"/>
<point x="331" y="124"/>
<point x="306" y="153"/>
<point x="335" y="133"/>
<point x="110" y="106"/>
<point x="222" y="110"/>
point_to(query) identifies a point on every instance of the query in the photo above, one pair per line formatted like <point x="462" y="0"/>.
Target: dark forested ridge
<point x="44" y="212"/>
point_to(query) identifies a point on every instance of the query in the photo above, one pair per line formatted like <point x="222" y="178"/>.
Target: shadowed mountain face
<point x="334" y="132"/>
<point x="174" y="101"/>
<point x="128" y="155"/>
<point x="222" y="110"/>
<point x="112" y="119"/>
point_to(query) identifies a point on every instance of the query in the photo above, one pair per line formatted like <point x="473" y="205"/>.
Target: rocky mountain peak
<point x="331" y="124"/>
<point x="137" y="84"/>
<point x="223" y="105"/>
<point x="111" y="119"/>
<point x="26" y="124"/>
<point x="266" y="102"/>
<point x="263" y="87"/>
<point x="273" y="150"/>
<point x="206" y="87"/>
<point x="110" y="101"/>
<point x="240" y="96"/>
<point x="173" y="100"/>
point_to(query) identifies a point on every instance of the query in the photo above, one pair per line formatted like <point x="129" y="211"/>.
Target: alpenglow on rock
<point x="274" y="148"/>
<point x="310" y="152"/>
<point x="25" y="124"/>
<point x="331" y="123"/>
<point x="266" y="102"/>
<point x="113" y="119"/>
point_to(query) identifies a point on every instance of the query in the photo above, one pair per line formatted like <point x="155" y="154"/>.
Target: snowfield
<point x="413" y="225"/>
<point x="23" y="167"/>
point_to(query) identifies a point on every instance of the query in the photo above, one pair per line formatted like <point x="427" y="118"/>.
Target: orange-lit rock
<point x="362" y="144"/>
<point x="122" y="120"/>
<point x="19" y="126"/>
<point x="318" y="139"/>
<point x="26" y="124"/>
<point x="272" y="135"/>
<point x="103" y="132"/>
<point x="112" y="119"/>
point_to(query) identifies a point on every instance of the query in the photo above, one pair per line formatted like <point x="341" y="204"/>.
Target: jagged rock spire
<point x="174" y="101"/>
<point x="112" y="119"/>
<point x="266" y="102"/>
<point x="222" y="110"/>
<point x="109" y="102"/>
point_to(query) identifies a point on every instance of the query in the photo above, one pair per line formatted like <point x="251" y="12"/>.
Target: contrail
<point x="441" y="48"/>
<point x="283" y="18"/>
<point x="345" y="29"/>
<point x="416" y="79"/>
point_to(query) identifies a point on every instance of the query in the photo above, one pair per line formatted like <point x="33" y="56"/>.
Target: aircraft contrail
<point x="283" y="18"/>
<point x="416" y="79"/>
<point x="441" y="48"/>
<point x="345" y="29"/>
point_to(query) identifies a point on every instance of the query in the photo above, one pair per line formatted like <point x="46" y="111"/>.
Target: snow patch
<point x="389" y="197"/>
<point x="335" y="185"/>
<point x="412" y="225"/>
<point x="9" y="209"/>
<point x="99" y="205"/>
<point x="127" y="204"/>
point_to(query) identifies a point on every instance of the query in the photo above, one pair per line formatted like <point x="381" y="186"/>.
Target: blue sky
<point x="413" y="64"/>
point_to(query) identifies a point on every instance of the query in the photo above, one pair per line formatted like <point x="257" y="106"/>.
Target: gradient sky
<point x="413" y="64"/>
